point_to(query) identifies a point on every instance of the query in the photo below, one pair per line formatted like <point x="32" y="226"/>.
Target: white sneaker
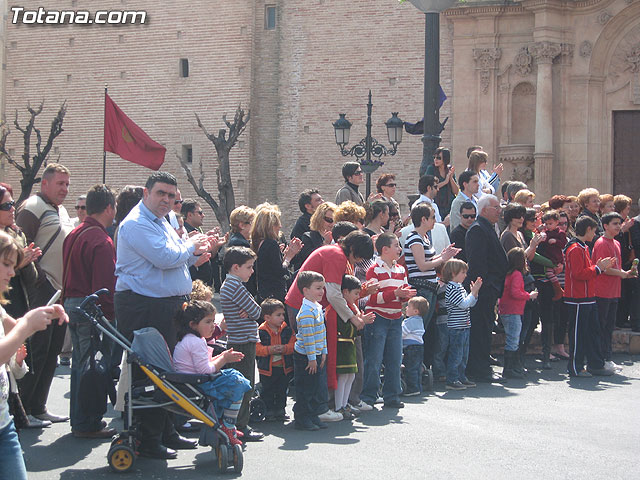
<point x="379" y="400"/>
<point x="612" y="366"/>
<point x="37" y="423"/>
<point x="362" y="406"/>
<point x="330" y="416"/>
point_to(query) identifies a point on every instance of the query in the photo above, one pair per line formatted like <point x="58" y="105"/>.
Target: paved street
<point x="546" y="428"/>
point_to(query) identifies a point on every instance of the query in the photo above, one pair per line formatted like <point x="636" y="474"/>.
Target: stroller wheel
<point x="257" y="410"/>
<point x="121" y="458"/>
<point x="238" y="459"/>
<point x="223" y="457"/>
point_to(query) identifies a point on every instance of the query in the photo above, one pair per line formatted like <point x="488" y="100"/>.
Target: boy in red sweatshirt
<point x="579" y="296"/>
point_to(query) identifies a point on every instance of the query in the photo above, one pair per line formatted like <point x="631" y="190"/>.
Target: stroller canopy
<point x="150" y="346"/>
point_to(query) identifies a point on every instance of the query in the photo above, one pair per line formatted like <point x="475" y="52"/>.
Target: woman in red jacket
<point x="511" y="309"/>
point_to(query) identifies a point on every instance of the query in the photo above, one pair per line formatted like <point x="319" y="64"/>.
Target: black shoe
<point x="305" y="425"/>
<point x="249" y="435"/>
<point x="318" y="423"/>
<point x="157" y="451"/>
<point x="394" y="404"/>
<point x="180" y="443"/>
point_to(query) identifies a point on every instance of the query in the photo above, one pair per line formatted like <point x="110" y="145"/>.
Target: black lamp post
<point x="369" y="146"/>
<point x="432" y="126"/>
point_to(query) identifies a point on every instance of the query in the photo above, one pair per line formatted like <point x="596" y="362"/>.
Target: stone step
<point x="624" y="341"/>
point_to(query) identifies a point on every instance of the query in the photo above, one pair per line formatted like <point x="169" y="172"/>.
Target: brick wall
<point x="321" y="59"/>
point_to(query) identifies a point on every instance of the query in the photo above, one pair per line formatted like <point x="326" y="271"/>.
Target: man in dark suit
<point x="487" y="260"/>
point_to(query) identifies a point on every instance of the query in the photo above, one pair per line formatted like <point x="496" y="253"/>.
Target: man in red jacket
<point x="579" y="296"/>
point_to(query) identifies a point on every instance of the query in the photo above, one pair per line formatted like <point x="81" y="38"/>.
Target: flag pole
<point x="104" y="152"/>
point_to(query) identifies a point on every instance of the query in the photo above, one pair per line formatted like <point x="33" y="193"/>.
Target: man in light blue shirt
<point x="153" y="282"/>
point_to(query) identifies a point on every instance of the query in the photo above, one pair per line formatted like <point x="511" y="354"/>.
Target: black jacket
<point x="311" y="240"/>
<point x="301" y="226"/>
<point x="205" y="271"/>
<point x="486" y="257"/>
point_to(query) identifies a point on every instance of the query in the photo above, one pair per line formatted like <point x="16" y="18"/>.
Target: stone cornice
<point x="526" y="6"/>
<point x="483" y="10"/>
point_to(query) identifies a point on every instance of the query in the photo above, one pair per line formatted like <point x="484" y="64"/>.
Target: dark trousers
<point x="560" y="321"/>
<point x="584" y="337"/>
<point x="44" y="348"/>
<point x="274" y="390"/>
<point x="307" y="388"/>
<point x="412" y="361"/>
<point x="136" y="312"/>
<point x="607" y="309"/>
<point x="247" y="367"/>
<point x="545" y="308"/>
<point x="529" y="322"/>
<point x="483" y="318"/>
<point x="629" y="304"/>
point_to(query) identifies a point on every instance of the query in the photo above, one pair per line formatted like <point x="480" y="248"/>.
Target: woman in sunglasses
<point x="26" y="273"/>
<point x="25" y="276"/>
<point x="321" y="223"/>
<point x="444" y="173"/>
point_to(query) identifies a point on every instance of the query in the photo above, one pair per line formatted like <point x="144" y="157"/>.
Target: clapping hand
<point x="405" y="292"/>
<point x="30" y="254"/>
<point x="627" y="224"/>
<point x="231" y="356"/>
<point x="202" y="259"/>
<point x="605" y="263"/>
<point x="328" y="237"/>
<point x="476" y="286"/>
<point x="292" y="249"/>
<point x="449" y="252"/>
<point x="368" y="318"/>
<point x="201" y="243"/>
<point x="371" y="286"/>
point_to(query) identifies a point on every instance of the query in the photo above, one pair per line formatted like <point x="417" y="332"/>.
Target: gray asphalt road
<point x="544" y="428"/>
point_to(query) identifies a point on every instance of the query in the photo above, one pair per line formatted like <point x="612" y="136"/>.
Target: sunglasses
<point x="358" y="172"/>
<point x="178" y="202"/>
<point x="200" y="212"/>
<point x="6" y="206"/>
<point x="328" y="220"/>
<point x="78" y="207"/>
<point x="468" y="215"/>
<point x="390" y="185"/>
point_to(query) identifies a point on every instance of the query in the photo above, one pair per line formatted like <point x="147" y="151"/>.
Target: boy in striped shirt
<point x="309" y="352"/>
<point x="383" y="338"/>
<point x="458" y="303"/>
<point x="241" y="314"/>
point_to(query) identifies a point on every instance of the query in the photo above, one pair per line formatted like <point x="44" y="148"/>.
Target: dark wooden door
<point x="626" y="155"/>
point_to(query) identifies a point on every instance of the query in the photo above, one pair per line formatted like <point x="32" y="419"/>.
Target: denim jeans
<point x="383" y="345"/>
<point x="80" y="329"/>
<point x="11" y="460"/>
<point x="429" y="333"/>
<point x="458" y="354"/>
<point x="439" y="364"/>
<point x="512" y="325"/>
<point x="412" y="362"/>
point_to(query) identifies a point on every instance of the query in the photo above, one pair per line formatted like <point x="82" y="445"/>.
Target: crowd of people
<point x="354" y="288"/>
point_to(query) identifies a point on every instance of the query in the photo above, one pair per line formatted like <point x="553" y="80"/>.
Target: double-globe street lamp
<point x="369" y="146"/>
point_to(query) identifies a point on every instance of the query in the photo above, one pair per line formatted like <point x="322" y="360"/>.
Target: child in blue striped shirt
<point x="458" y="303"/>
<point x="309" y="352"/>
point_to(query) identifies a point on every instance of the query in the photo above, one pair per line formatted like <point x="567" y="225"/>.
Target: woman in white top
<point x="489" y="183"/>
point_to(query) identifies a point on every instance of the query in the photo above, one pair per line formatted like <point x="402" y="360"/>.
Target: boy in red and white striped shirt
<point x="383" y="338"/>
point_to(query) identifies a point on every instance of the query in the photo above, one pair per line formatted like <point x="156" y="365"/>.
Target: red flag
<point x="128" y="140"/>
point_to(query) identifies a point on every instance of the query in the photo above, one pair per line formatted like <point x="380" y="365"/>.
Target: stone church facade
<point x="549" y="88"/>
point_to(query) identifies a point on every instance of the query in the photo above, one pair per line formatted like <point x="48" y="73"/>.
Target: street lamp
<point x="432" y="126"/>
<point x="369" y="146"/>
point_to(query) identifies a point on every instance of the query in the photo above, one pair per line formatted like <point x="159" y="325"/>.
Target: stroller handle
<point x="93" y="298"/>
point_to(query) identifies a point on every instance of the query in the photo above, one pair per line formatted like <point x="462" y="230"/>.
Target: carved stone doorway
<point x="626" y="154"/>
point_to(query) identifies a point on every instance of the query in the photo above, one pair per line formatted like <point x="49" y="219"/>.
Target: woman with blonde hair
<point x="525" y="198"/>
<point x="350" y="212"/>
<point x="489" y="183"/>
<point x="319" y="234"/>
<point x="589" y="200"/>
<point x="13" y="334"/>
<point x="272" y="265"/>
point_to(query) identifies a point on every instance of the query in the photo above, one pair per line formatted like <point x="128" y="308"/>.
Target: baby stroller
<point x="162" y="388"/>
